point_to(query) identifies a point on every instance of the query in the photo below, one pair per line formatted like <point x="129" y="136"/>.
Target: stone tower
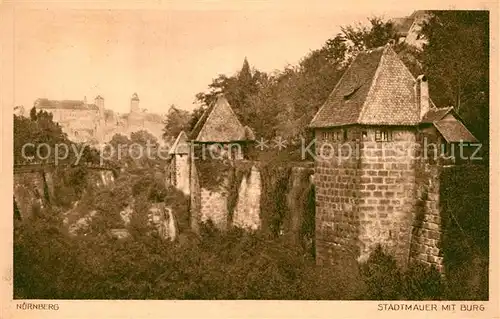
<point x="100" y="122"/>
<point x="179" y="165"/>
<point x="216" y="138"/>
<point x="369" y="134"/>
<point x="99" y="101"/>
<point x="134" y="103"/>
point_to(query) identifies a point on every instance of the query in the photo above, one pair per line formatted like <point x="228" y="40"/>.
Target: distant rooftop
<point x="404" y="24"/>
<point x="44" y="103"/>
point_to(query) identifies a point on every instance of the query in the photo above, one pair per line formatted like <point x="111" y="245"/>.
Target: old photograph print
<point x="260" y="153"/>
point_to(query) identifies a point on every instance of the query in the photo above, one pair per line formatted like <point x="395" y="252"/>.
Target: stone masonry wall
<point x="426" y="228"/>
<point x="299" y="184"/>
<point x="214" y="181"/>
<point x="28" y="192"/>
<point x="387" y="188"/>
<point x="214" y="206"/>
<point x="337" y="187"/>
<point x="364" y="193"/>
<point x="182" y="173"/>
<point x="195" y="197"/>
<point x="247" y="211"/>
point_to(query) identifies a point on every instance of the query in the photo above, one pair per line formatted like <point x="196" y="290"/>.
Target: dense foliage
<point x="179" y="120"/>
<point x="466" y="238"/>
<point x="456" y="61"/>
<point x="283" y="103"/>
<point x="232" y="265"/>
<point x="42" y="138"/>
<point x="141" y="150"/>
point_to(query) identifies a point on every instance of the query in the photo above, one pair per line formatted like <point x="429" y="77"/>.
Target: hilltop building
<point x="409" y="28"/>
<point x="84" y="122"/>
<point x="80" y="120"/>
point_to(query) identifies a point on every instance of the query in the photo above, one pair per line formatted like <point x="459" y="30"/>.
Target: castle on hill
<point x="91" y="122"/>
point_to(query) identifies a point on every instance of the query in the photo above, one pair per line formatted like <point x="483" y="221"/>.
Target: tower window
<point x="328" y="136"/>
<point x="383" y="136"/>
<point x="337" y="136"/>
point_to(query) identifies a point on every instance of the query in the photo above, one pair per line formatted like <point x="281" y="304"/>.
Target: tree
<point x="456" y="61"/>
<point x="245" y="75"/>
<point x="221" y="84"/>
<point x="177" y="121"/>
<point x="38" y="128"/>
<point x="284" y="103"/>
<point x="143" y="138"/>
<point x="195" y="117"/>
<point x="119" y="151"/>
<point x="33" y="113"/>
<point x="237" y="89"/>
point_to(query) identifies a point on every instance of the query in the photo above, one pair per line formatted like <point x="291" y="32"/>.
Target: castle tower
<point x="134" y="103"/>
<point x="99" y="102"/>
<point x="369" y="170"/>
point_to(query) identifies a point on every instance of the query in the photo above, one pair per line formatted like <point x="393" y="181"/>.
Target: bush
<point x="382" y="276"/>
<point x="421" y="282"/>
<point x="233" y="265"/>
<point x="385" y="281"/>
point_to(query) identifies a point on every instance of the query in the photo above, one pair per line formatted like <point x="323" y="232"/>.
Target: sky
<point x="169" y="52"/>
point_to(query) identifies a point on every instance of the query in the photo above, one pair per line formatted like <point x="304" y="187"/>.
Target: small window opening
<point x="383" y="136"/>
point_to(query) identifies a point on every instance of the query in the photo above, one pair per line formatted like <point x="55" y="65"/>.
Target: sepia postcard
<point x="249" y="159"/>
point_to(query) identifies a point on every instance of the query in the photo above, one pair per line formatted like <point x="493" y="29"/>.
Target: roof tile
<point x="454" y="131"/>
<point x="376" y="89"/>
<point x="436" y="114"/>
<point x="346" y="100"/>
<point x="219" y="124"/>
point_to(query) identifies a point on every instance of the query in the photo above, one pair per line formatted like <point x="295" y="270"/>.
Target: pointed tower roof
<point x="376" y="89"/>
<point x="135" y="97"/>
<point x="181" y="145"/>
<point x="218" y="124"/>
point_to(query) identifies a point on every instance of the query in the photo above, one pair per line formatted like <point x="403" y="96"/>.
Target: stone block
<point x="389" y="180"/>
<point x="371" y="173"/>
<point x="377" y="180"/>
<point x="383" y="173"/>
